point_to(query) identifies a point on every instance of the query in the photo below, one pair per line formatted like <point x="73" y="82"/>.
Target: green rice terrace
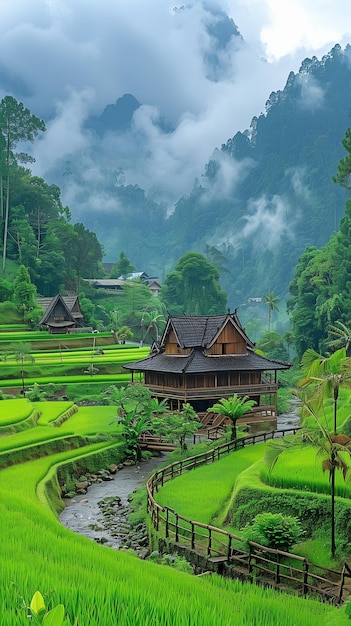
<point x="97" y="584"/>
<point x="43" y="443"/>
<point x="27" y="358"/>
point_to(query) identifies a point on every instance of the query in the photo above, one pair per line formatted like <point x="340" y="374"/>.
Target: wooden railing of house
<point x="212" y="392"/>
<point x="259" y="563"/>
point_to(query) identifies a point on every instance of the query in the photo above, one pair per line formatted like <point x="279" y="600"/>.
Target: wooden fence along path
<point x="258" y="563"/>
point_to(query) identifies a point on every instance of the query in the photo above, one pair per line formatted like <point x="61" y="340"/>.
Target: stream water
<point x="82" y="513"/>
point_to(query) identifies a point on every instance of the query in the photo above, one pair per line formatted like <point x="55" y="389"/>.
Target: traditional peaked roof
<point x="201" y="331"/>
<point x="197" y="334"/>
<point x="69" y="303"/>
<point x="196" y="362"/>
<point x="134" y="276"/>
<point x="53" y="304"/>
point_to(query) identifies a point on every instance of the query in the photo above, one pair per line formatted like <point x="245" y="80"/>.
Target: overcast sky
<point x="66" y="59"/>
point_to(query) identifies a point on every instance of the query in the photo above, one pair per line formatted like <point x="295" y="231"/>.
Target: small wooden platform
<point x="149" y="442"/>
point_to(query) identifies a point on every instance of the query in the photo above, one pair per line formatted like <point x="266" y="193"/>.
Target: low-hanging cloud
<point x="67" y="60"/>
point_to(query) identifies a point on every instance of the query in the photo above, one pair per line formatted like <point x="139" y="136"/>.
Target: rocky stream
<point x="101" y="505"/>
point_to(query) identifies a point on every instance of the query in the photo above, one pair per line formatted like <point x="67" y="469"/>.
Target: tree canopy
<point x="193" y="287"/>
<point x="17" y="124"/>
<point x="320" y="292"/>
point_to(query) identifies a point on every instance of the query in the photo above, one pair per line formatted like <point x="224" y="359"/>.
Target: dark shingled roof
<point x="51" y="307"/>
<point x="70" y="302"/>
<point x="196" y="362"/>
<point x="201" y="331"/>
<point x="198" y="333"/>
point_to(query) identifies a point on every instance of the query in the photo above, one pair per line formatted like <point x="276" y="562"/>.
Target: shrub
<point x="274" y="530"/>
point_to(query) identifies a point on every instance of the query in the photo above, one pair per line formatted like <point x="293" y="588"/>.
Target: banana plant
<point x="41" y="615"/>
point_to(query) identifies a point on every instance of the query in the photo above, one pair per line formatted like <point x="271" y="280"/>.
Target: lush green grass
<point x="301" y="468"/>
<point x="212" y="484"/>
<point x="50" y="411"/>
<point x="64" y="367"/>
<point x="232" y="489"/>
<point x="86" y="422"/>
<point x="13" y="412"/>
<point x="102" y="586"/>
<point x="62" y="380"/>
<point x="82" y="356"/>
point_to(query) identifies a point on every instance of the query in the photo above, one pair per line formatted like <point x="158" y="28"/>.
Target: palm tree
<point x="271" y="300"/>
<point x="233" y="407"/>
<point x="331" y="447"/>
<point x="153" y="319"/>
<point x="328" y="374"/>
<point x="342" y="337"/>
<point x="22" y="352"/>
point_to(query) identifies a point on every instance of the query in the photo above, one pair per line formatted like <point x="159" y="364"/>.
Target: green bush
<point x="274" y="530"/>
<point x="313" y="511"/>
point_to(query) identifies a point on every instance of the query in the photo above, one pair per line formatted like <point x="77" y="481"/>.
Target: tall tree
<point x="335" y="449"/>
<point x="22" y="353"/>
<point x="193" y="287"/>
<point x="271" y="301"/>
<point x="24" y="293"/>
<point x="83" y="254"/>
<point x="123" y="267"/>
<point x="152" y="320"/>
<point x="326" y="376"/>
<point x="17" y="124"/>
<point x="343" y="175"/>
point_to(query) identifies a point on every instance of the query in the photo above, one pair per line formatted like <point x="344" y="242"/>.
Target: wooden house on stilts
<point x="201" y="359"/>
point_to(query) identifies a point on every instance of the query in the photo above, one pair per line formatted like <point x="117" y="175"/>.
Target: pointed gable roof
<point x="198" y="363"/>
<point x="197" y="334"/>
<point x="51" y="307"/>
<point x="71" y="302"/>
<point x="201" y="331"/>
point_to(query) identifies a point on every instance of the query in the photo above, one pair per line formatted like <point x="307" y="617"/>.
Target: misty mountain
<point x="115" y="117"/>
<point x="263" y="196"/>
<point x="268" y="192"/>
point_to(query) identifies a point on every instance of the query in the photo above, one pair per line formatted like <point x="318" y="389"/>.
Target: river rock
<point x="82" y="485"/>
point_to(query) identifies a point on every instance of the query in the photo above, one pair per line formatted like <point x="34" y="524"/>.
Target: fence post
<point x="157" y="518"/>
<point x="167" y="523"/>
<point x="277" y="572"/>
<point x="176" y="528"/>
<point x="209" y="542"/>
<point x="229" y="547"/>
<point x="250" y="559"/>
<point x="305" y="578"/>
<point x="192" y="536"/>
<point x="342" y="582"/>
